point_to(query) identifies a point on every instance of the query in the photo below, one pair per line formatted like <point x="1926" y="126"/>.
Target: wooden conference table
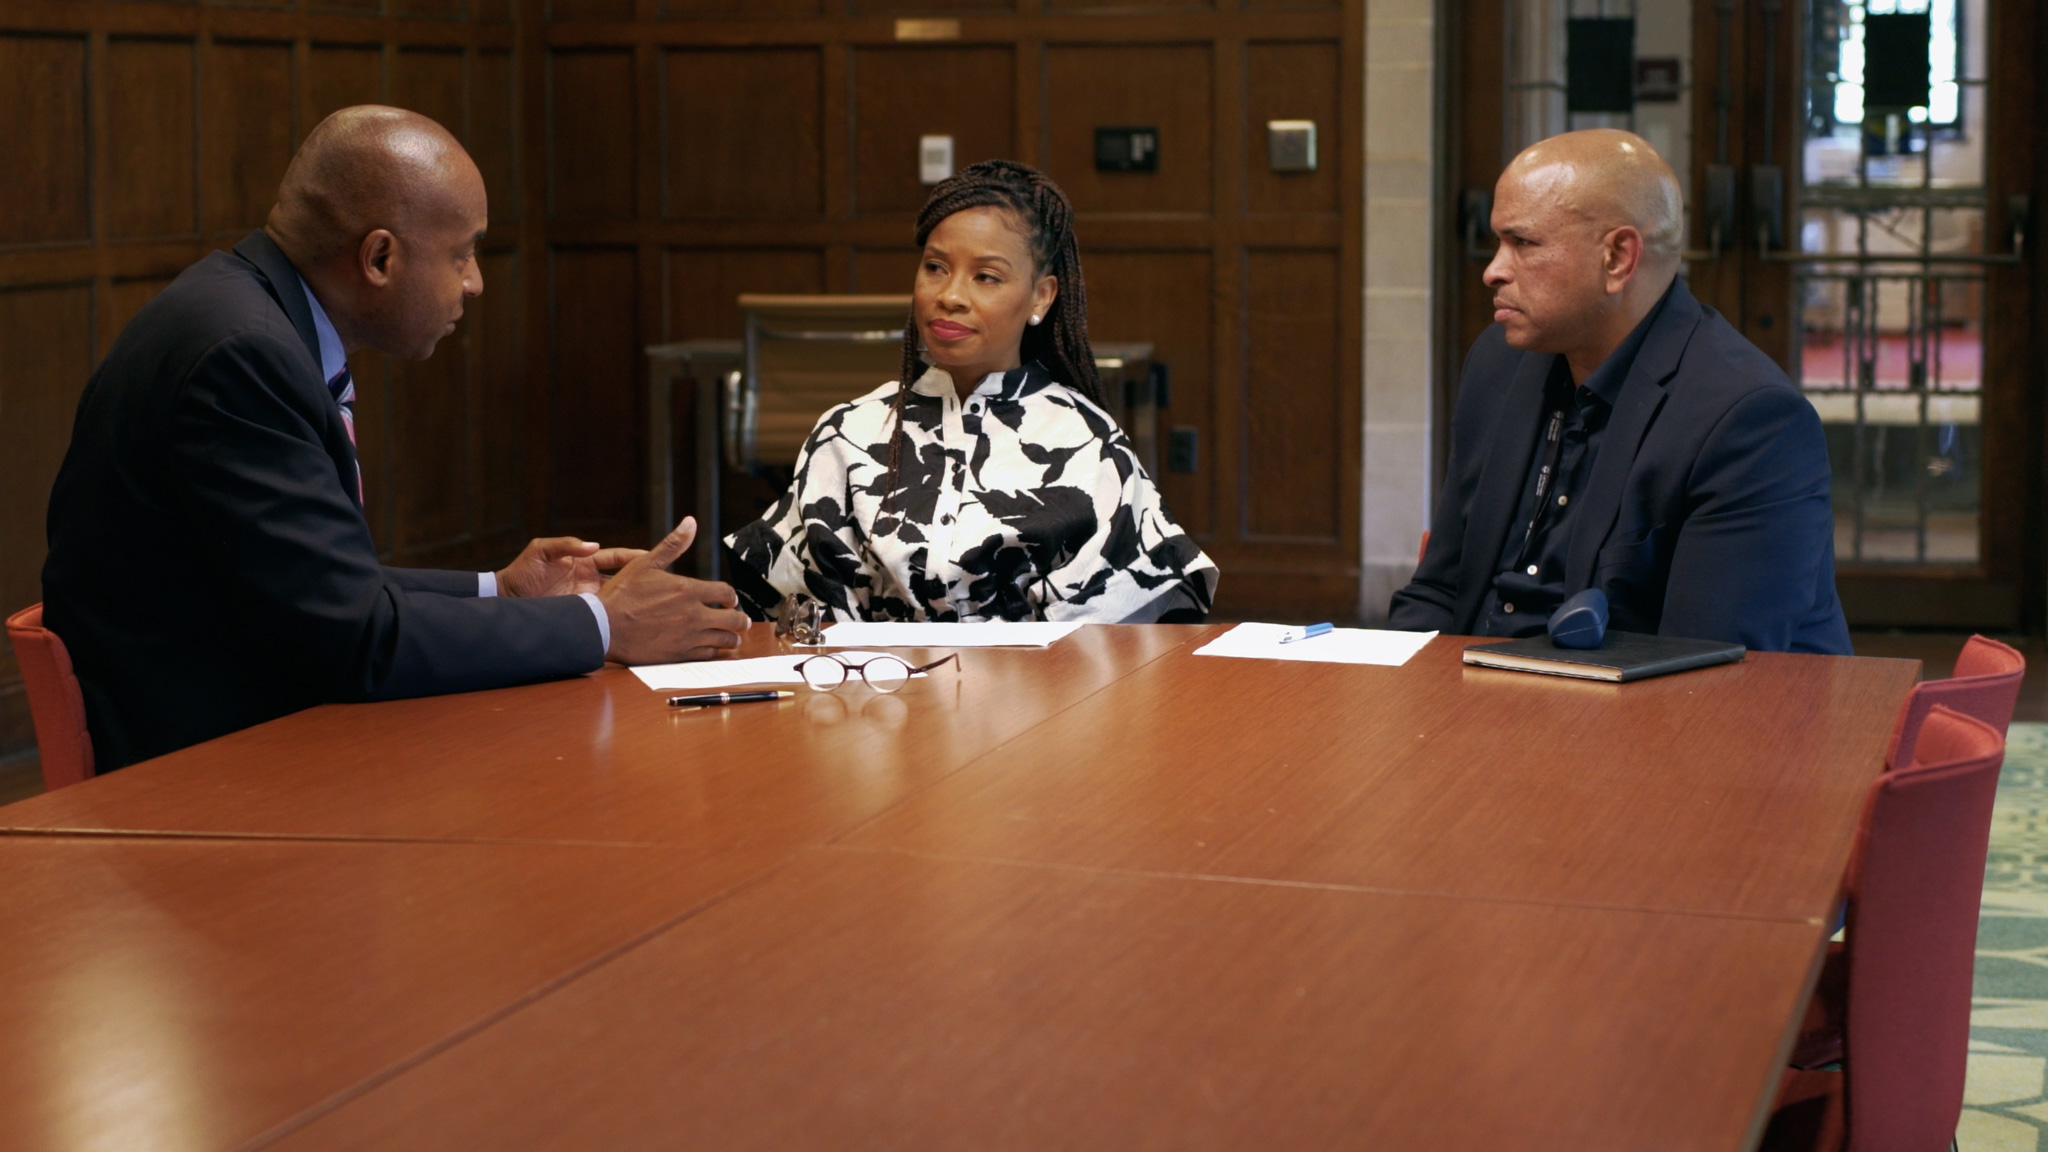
<point x="1104" y="895"/>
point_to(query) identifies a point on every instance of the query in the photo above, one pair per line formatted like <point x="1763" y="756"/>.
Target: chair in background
<point x="54" y="699"/>
<point x="1915" y="880"/>
<point x="1985" y="684"/>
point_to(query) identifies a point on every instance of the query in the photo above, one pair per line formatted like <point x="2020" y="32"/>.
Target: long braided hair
<point x="1060" y="341"/>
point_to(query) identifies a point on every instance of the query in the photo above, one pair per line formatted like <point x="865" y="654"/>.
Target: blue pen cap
<point x="1581" y="621"/>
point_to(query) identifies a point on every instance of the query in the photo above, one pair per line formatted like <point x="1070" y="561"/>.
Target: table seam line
<point x="29" y="832"/>
<point x="393" y="1071"/>
<point x="1323" y="885"/>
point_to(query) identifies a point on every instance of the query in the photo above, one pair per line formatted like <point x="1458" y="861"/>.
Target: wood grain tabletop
<point x="603" y="759"/>
<point x="1731" y="790"/>
<point x="1105" y="895"/>
<point x="884" y="1000"/>
<point x="195" y="994"/>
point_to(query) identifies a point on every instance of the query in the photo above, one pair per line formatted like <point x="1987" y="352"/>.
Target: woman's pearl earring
<point x="1034" y="321"/>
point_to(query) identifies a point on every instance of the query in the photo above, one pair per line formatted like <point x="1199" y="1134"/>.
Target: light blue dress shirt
<point x="334" y="358"/>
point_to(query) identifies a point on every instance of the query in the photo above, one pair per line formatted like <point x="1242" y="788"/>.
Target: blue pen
<point x="1308" y="633"/>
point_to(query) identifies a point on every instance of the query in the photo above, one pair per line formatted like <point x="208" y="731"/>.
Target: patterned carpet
<point x="2006" y="1101"/>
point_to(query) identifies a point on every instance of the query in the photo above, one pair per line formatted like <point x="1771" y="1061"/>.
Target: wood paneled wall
<point x="695" y="149"/>
<point x="142" y="135"/>
<point x="649" y="160"/>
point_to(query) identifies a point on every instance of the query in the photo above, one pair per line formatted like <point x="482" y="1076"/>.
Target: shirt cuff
<point x="486" y="584"/>
<point x="604" y="620"/>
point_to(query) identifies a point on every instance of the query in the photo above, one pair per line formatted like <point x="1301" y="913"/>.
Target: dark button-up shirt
<point x="1530" y="583"/>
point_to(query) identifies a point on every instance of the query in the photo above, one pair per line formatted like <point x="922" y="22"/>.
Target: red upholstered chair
<point x="1424" y="549"/>
<point x="1915" y="880"/>
<point x="53" y="699"/>
<point x="1985" y="684"/>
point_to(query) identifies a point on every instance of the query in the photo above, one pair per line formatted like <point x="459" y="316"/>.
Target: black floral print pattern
<point x="1022" y="502"/>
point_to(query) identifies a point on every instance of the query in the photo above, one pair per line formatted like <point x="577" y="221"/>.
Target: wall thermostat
<point x="934" y="158"/>
<point x="1291" y="145"/>
<point x="1127" y="149"/>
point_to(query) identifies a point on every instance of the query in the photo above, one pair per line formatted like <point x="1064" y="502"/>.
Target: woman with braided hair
<point x="987" y="482"/>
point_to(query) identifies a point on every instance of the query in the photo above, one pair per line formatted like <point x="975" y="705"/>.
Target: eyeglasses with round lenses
<point x="882" y="673"/>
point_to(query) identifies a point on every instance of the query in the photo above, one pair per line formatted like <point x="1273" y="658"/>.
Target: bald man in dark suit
<point x="209" y="564"/>
<point x="1613" y="433"/>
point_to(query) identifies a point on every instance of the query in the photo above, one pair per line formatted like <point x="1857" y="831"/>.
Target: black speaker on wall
<point x="1600" y="64"/>
<point x="1895" y="69"/>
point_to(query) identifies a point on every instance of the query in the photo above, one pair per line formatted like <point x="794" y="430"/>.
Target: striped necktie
<point x="343" y="388"/>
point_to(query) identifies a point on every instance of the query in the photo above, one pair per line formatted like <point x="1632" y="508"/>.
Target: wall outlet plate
<point x="1291" y="145"/>
<point x="1127" y="149"/>
<point x="934" y="158"/>
<point x="1184" y="449"/>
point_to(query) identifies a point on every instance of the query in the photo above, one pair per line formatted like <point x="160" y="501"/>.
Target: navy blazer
<point x="1707" y="511"/>
<point x="209" y="565"/>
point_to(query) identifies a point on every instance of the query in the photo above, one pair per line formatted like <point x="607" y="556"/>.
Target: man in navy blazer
<point x="1612" y="432"/>
<point x="209" y="564"/>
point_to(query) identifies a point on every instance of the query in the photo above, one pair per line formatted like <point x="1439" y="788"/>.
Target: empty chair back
<point x="1913" y="896"/>
<point x="805" y="354"/>
<point x="1986" y="685"/>
<point x="54" y="699"/>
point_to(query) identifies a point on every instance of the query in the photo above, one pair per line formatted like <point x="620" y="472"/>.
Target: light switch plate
<point x="1291" y="145"/>
<point x="934" y="158"/>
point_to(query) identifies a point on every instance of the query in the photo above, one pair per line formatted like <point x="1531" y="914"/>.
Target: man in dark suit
<point x="1612" y="432"/>
<point x="209" y="564"/>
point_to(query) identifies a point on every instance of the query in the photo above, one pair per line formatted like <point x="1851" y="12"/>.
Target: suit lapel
<point x="1515" y="430"/>
<point x="282" y="281"/>
<point x="285" y="286"/>
<point x="1642" y="394"/>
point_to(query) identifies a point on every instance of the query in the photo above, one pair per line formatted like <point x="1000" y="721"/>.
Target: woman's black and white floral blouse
<point x="1022" y="502"/>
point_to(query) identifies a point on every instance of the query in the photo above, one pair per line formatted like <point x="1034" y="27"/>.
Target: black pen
<point x="714" y="699"/>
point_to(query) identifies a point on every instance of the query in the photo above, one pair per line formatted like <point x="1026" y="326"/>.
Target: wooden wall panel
<point x="356" y="6"/>
<point x="885" y="269"/>
<point x="591" y="125"/>
<point x="431" y="447"/>
<point x="1293" y="82"/>
<point x="1164" y="298"/>
<point x="249" y="135"/>
<point x="900" y="94"/>
<point x="48" y="334"/>
<point x="928" y="7"/>
<point x="1127" y="5"/>
<point x="751" y="9"/>
<point x="339" y="76"/>
<point x="590" y="9"/>
<point x="446" y="9"/>
<point x="595" y="423"/>
<point x="704" y="285"/>
<point x="151" y="150"/>
<point x="430" y="81"/>
<point x="500" y="425"/>
<point x="493" y="130"/>
<point x="744" y="132"/>
<point x="1162" y="87"/>
<point x="45" y="184"/>
<point x="1293" y="411"/>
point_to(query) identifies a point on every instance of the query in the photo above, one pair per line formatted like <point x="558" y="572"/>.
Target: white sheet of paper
<point x="1337" y="646"/>
<point x="716" y="675"/>
<point x="994" y="634"/>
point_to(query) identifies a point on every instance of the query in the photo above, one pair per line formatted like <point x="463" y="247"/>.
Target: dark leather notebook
<point x="1624" y="656"/>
